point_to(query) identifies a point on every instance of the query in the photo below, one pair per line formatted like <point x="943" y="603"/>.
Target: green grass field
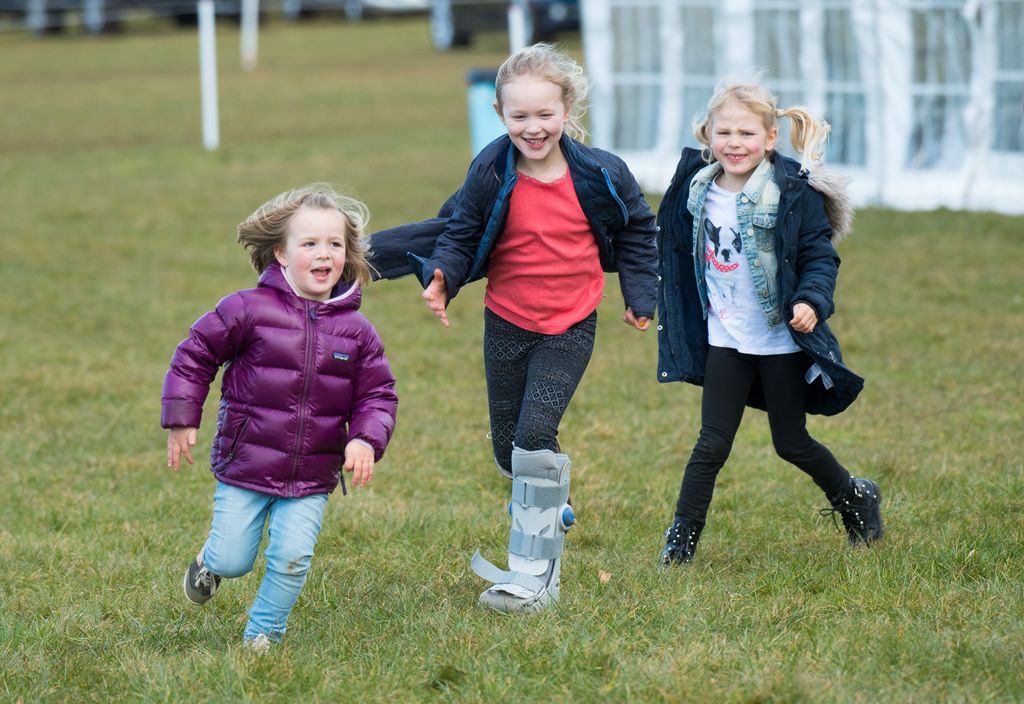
<point x="118" y="232"/>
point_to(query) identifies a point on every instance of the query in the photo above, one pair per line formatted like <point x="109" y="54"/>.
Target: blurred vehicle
<point x="454" y="22"/>
<point x="353" y="10"/>
<point x="96" y="16"/>
<point x="50" y="16"/>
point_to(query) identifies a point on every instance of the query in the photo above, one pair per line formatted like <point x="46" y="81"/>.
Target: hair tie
<point x="779" y="112"/>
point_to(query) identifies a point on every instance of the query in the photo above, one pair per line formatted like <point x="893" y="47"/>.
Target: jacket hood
<point x="344" y="296"/>
<point x="834" y="188"/>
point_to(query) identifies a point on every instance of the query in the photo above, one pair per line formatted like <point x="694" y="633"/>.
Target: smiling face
<point x="313" y="254"/>
<point x="739" y="141"/>
<point x="534" y="112"/>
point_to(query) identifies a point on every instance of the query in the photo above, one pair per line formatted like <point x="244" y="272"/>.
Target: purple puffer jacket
<point x="303" y="378"/>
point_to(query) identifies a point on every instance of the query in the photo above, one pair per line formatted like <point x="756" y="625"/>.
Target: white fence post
<point x="250" y="33"/>
<point x="517" y="25"/>
<point x="208" y="74"/>
<point x="36" y="16"/>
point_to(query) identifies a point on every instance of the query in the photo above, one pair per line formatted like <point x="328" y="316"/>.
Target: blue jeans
<point x="235" y="536"/>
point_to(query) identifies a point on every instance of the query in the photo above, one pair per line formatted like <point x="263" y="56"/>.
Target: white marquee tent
<point x="925" y="97"/>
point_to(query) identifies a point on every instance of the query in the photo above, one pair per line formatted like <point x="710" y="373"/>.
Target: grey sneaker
<point x="200" y="583"/>
<point x="260" y="645"/>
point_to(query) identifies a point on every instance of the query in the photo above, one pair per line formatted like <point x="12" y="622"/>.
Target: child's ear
<point x="773" y="135"/>
<point x="497" y="109"/>
<point x="280" y="256"/>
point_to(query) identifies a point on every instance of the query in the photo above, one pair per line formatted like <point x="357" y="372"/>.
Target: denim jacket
<point x="795" y="218"/>
<point x="756" y="208"/>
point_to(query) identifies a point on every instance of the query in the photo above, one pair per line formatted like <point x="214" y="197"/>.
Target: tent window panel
<point x="1009" y="124"/>
<point x="636" y="117"/>
<point x="1008" y="111"/>
<point x="695" y="104"/>
<point x="848" y="141"/>
<point x="777" y="42"/>
<point x="942" y="47"/>
<point x="939" y="87"/>
<point x="699" y="52"/>
<point x="1009" y="31"/>
<point x="636" y="42"/>
<point x="937" y="138"/>
<point x="841" y="56"/>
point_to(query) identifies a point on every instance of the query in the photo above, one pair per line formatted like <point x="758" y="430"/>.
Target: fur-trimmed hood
<point x="834" y="186"/>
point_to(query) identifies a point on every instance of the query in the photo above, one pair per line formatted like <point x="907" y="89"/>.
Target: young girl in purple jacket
<point x="307" y="391"/>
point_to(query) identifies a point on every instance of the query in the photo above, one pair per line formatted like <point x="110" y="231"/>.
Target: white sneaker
<point x="260" y="645"/>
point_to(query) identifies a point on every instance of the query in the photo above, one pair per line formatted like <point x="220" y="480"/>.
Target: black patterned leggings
<point x="531" y="378"/>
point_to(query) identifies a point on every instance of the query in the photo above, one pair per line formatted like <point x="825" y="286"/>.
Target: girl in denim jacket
<point x="748" y="269"/>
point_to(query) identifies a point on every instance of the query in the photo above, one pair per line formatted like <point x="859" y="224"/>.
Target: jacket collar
<point x="753" y="189"/>
<point x="575" y="153"/>
<point x="345" y="295"/>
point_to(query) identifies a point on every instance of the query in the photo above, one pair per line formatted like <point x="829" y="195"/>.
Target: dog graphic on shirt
<point x="723" y="257"/>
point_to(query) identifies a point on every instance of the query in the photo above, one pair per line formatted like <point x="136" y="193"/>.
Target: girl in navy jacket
<point x="748" y="269"/>
<point x="542" y="216"/>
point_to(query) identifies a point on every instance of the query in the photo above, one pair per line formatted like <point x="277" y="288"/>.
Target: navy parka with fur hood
<point x="459" y="241"/>
<point x="813" y="214"/>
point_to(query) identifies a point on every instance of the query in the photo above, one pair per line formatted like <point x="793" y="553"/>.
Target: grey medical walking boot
<point x="860" y="508"/>
<point x="200" y="583"/>
<point x="540" y="518"/>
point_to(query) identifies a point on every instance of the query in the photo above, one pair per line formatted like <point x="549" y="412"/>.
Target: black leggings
<point x="531" y="378"/>
<point x="728" y="378"/>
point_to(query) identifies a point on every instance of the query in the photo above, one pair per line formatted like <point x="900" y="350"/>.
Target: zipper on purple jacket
<point x="307" y="371"/>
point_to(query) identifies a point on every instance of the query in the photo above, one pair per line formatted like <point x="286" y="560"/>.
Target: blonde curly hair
<point x="266" y="229"/>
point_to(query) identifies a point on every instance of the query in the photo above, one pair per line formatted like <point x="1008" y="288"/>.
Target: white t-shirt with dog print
<point x="735" y="319"/>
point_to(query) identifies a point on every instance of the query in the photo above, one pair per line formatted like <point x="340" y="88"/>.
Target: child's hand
<point x="436" y="296"/>
<point x="804" y="318"/>
<point x="629" y="318"/>
<point x="359" y="461"/>
<point x="180" y="441"/>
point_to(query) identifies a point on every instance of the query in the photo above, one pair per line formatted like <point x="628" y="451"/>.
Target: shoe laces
<point x="851" y="512"/>
<point x="206" y="581"/>
<point x="851" y="517"/>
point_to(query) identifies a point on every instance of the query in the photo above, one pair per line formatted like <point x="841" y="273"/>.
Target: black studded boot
<point x="859" y="506"/>
<point x="680" y="542"/>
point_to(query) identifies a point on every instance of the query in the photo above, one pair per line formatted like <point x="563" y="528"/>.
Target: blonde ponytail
<point x="808" y="135"/>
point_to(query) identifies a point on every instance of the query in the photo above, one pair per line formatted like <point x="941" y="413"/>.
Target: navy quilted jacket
<point x="459" y="241"/>
<point x="302" y="378"/>
<point x="808" y="264"/>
